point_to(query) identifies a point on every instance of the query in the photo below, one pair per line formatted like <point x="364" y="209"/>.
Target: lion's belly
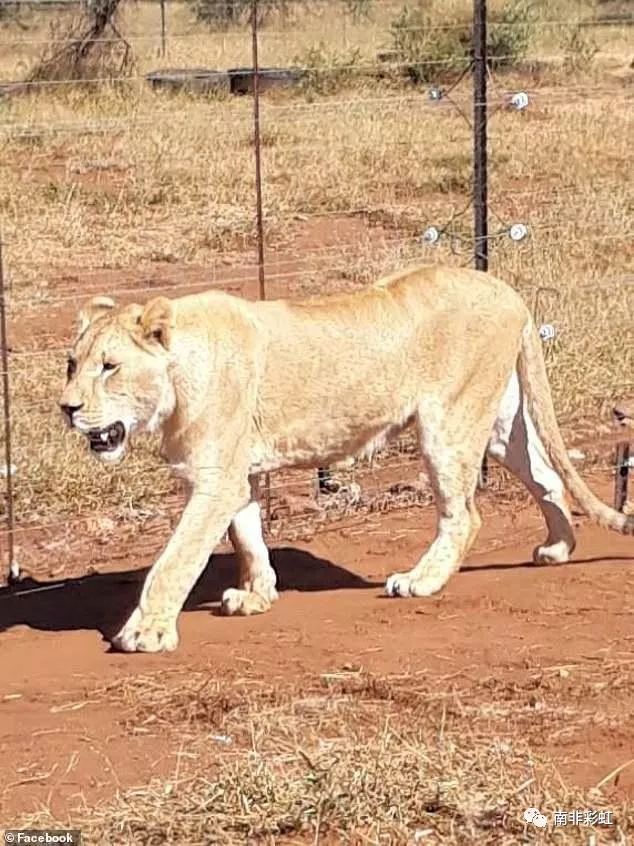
<point x="327" y="441"/>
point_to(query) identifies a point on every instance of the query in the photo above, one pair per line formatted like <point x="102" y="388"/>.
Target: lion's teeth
<point x="104" y="436"/>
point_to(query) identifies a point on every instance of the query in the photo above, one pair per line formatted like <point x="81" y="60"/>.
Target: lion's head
<point x="623" y="413"/>
<point x="117" y="378"/>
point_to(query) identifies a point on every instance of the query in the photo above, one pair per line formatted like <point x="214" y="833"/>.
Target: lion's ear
<point x="157" y="321"/>
<point x="92" y="310"/>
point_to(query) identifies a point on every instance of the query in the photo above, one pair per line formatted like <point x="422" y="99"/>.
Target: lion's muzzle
<point x="69" y="412"/>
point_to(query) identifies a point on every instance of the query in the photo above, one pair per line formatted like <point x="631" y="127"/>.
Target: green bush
<point x="428" y="50"/>
<point x="226" y="13"/>
<point x="358" y="10"/>
<point x="579" y="48"/>
<point x="510" y="32"/>
<point x="7" y="11"/>
<point x="425" y="50"/>
<point x="327" y="70"/>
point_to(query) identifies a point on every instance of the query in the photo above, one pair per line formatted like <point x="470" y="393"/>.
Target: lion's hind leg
<point x="453" y="450"/>
<point x="517" y="446"/>
<point x="257" y="589"/>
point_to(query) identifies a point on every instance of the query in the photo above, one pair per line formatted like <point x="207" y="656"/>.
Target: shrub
<point x="510" y="32"/>
<point x="359" y="10"/>
<point x="579" y="48"/>
<point x="427" y="51"/>
<point x="327" y="70"/>
<point x="226" y="13"/>
<point x="90" y="46"/>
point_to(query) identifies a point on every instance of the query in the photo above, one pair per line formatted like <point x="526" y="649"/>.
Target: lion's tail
<point x="534" y="382"/>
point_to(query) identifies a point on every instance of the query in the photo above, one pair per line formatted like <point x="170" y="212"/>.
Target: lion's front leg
<point x="152" y="625"/>
<point x="257" y="589"/>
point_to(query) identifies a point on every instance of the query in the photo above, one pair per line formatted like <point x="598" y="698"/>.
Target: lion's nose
<point x="70" y="410"/>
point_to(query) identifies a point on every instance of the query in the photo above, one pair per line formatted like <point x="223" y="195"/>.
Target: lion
<point x="238" y="388"/>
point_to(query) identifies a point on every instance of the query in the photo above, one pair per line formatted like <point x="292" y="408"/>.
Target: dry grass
<point x="362" y="759"/>
<point x="121" y="188"/>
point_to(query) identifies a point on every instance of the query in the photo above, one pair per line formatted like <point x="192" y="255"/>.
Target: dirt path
<point x="63" y="741"/>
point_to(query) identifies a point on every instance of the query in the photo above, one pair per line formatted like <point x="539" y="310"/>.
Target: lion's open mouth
<point x="108" y="439"/>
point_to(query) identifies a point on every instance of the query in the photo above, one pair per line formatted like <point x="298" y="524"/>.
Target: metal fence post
<point x="163" y="29"/>
<point x="480" y="178"/>
<point x="12" y="571"/>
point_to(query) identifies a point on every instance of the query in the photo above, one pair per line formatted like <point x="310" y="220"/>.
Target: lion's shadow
<point x="102" y="601"/>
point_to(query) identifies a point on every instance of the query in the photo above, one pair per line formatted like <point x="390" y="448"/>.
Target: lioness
<point x="238" y="388"/>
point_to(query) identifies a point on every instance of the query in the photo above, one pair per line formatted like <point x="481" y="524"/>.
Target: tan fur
<point x="238" y="388"/>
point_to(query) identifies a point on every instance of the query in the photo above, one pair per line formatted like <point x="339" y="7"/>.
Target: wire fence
<point x="361" y="117"/>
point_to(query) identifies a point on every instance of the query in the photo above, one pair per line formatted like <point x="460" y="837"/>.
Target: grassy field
<point x="114" y="187"/>
<point x="356" y="758"/>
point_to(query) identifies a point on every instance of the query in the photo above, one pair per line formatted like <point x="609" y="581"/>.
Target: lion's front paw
<point x="397" y="585"/>
<point x="402" y="584"/>
<point x="243" y="603"/>
<point x="146" y="634"/>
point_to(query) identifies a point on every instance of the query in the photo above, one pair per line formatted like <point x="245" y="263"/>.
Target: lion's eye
<point x="108" y="365"/>
<point x="71" y="367"/>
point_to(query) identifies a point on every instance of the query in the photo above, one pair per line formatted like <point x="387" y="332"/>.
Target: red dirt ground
<point x="500" y="617"/>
